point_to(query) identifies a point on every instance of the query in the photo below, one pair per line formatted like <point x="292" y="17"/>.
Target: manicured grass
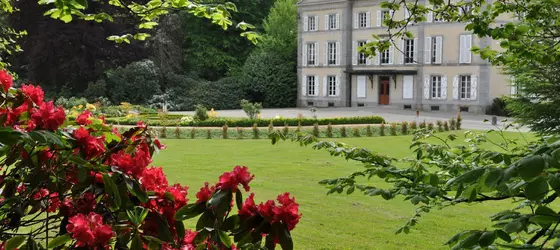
<point x="329" y="222"/>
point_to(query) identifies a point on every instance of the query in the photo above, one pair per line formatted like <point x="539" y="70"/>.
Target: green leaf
<point x="190" y="211"/>
<point x="231" y="222"/>
<point x="543" y="210"/>
<point x="136" y="190"/>
<point x="9" y="136"/>
<point x="556" y="244"/>
<point x="513" y="226"/>
<point x="239" y="199"/>
<point x="141" y="36"/>
<point x="487" y="238"/>
<point x="112" y="190"/>
<point x="66" y="18"/>
<point x="537" y="189"/>
<point x="180" y="229"/>
<point x="163" y="230"/>
<point x="59" y="241"/>
<point x="136" y="243"/>
<point x="14" y="242"/>
<point x="224" y="238"/>
<point x="530" y="167"/>
<point x="503" y="235"/>
<point x="471" y="240"/>
<point x="284" y="237"/>
<point x="493" y="177"/>
<point x="544" y="220"/>
<point x="468" y="177"/>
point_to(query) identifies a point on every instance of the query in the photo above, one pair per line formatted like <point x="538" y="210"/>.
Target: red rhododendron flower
<point x="89" y="231"/>
<point x="128" y="164"/>
<point x="205" y="193"/>
<point x="42" y="193"/>
<point x="5" y="80"/>
<point x="287" y="213"/>
<point x="34" y="93"/>
<point x="153" y="179"/>
<point x="267" y="209"/>
<point x="92" y="146"/>
<point x="239" y="175"/>
<point x="188" y="240"/>
<point x="11" y="116"/>
<point x="141" y="124"/>
<point x="53" y="202"/>
<point x="83" y="118"/>
<point x="179" y="194"/>
<point x="21" y="188"/>
<point x="248" y="208"/>
<point x="47" y="116"/>
<point x="159" y="145"/>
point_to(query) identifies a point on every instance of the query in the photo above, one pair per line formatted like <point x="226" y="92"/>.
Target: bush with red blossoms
<point x="80" y="184"/>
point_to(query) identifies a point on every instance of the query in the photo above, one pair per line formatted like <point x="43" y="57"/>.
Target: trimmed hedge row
<point x="219" y="122"/>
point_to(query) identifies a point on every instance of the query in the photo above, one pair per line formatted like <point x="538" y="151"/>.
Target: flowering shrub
<point x="80" y="184"/>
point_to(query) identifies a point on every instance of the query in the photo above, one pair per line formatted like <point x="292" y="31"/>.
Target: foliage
<point x="96" y="89"/>
<point x="404" y="128"/>
<point x="343" y="131"/>
<point x="329" y="130"/>
<point x="445" y="126"/>
<point x="71" y="102"/>
<point x="356" y="131"/>
<point x="316" y="130"/>
<point x="225" y="131"/>
<point x="221" y="94"/>
<point x="382" y="129"/>
<point x="413" y="126"/>
<point x="136" y="83"/>
<point x="439" y="126"/>
<point x="255" y="131"/>
<point x="442" y="175"/>
<point x="459" y="122"/>
<point x="431" y="126"/>
<point x="252" y="110"/>
<point x="452" y="124"/>
<point x="498" y="107"/>
<point x="82" y="185"/>
<point x="369" y="131"/>
<point x="201" y="113"/>
<point x="422" y="124"/>
<point x="393" y="129"/>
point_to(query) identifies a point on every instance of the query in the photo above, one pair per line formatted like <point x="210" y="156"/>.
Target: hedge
<point x="219" y="122"/>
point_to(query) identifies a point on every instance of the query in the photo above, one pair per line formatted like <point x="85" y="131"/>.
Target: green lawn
<point x="329" y="222"/>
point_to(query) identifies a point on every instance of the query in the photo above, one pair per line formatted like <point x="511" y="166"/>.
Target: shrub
<point x="252" y="110"/>
<point x="96" y="89"/>
<point x="256" y="131"/>
<point x="499" y="107"/>
<point x="342" y="131"/>
<point x="439" y="126"/>
<point x="239" y="133"/>
<point x="356" y="131"/>
<point x="70" y="192"/>
<point x="208" y="133"/>
<point x="164" y="132"/>
<point x="201" y="113"/>
<point x="71" y="102"/>
<point x="369" y="131"/>
<point x="393" y="129"/>
<point x="286" y="129"/>
<point x="136" y="83"/>
<point x="329" y="131"/>
<point x="225" y="131"/>
<point x="413" y="126"/>
<point x="222" y="94"/>
<point x="298" y="126"/>
<point x="445" y="126"/>
<point x="459" y="121"/>
<point x="316" y="130"/>
<point x="193" y="133"/>
<point x="422" y="125"/>
<point x="382" y="129"/>
<point x="430" y="126"/>
<point x="452" y="124"/>
<point x="177" y="133"/>
<point x="404" y="128"/>
<point x="270" y="127"/>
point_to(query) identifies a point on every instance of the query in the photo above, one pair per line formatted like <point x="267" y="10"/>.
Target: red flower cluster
<point x="153" y="179"/>
<point x="205" y="193"/>
<point x="83" y="118"/>
<point x="287" y="212"/>
<point x="33" y="93"/>
<point x="52" y="201"/>
<point x="5" y="80"/>
<point x="239" y="175"/>
<point x="132" y="165"/>
<point x="89" y="231"/>
<point x="91" y="146"/>
<point x="47" y="116"/>
<point x="85" y="203"/>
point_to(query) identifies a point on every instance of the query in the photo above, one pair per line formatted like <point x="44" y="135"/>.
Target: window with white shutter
<point x="337" y="85"/>
<point x="474" y="87"/>
<point x="331" y="85"/>
<point x="465" y="87"/>
<point x="391" y="54"/>
<point x="312" y="23"/>
<point x="379" y="19"/>
<point x="337" y="21"/>
<point x="368" y="19"/>
<point x="456" y="88"/>
<point x="325" y="85"/>
<point x="429" y="14"/>
<point x="337" y="54"/>
<point x="331" y="21"/>
<point x="409" y="50"/>
<point x="362" y="20"/>
<point x="312" y="54"/>
<point x="311" y="84"/>
<point x="304" y="58"/>
<point x="385" y="57"/>
<point x="362" y="58"/>
<point x="332" y="53"/>
<point x="435" y="87"/>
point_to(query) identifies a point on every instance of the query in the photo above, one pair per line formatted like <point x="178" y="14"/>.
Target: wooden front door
<point x="384" y="87"/>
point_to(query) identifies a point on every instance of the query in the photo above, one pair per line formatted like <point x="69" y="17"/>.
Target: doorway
<point x="384" y="87"/>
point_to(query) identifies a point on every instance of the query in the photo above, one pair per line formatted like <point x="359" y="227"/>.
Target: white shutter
<point x="316" y="86"/>
<point x="377" y="58"/>
<point x="456" y="88"/>
<point x="408" y="87"/>
<point x="430" y="14"/>
<point x="337" y="86"/>
<point x="361" y="87"/>
<point x="468" y="44"/>
<point x="391" y="54"/>
<point x="337" y="54"/>
<point x="354" y="53"/>
<point x="304" y="86"/>
<point x="379" y="18"/>
<point x="316" y="53"/>
<point x="474" y="83"/>
<point x="325" y="83"/>
<point x="462" y="39"/>
<point x="305" y="23"/>
<point x="326" y="50"/>
<point x="444" y="87"/>
<point x="327" y="22"/>
<point x="368" y="19"/>
<point x="337" y="21"/>
<point x="316" y="23"/>
<point x="426" y="87"/>
<point x="415" y="50"/>
<point x="439" y="43"/>
<point x="427" y="50"/>
<point x="402" y="51"/>
<point x="304" y="55"/>
<point x="356" y="23"/>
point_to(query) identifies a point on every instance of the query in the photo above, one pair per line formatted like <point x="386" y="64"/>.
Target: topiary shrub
<point x="177" y="133"/>
<point x="57" y="179"/>
<point x="459" y="122"/>
<point x="369" y="131"/>
<point x="382" y="129"/>
<point x="356" y="131"/>
<point x="193" y="133"/>
<point x="445" y="126"/>
<point x="498" y="107"/>
<point x="163" y="132"/>
<point x="286" y="129"/>
<point x="343" y="131"/>
<point x="298" y="129"/>
<point x="452" y="124"/>
<point x="430" y="126"/>
<point x="200" y="113"/>
<point x="316" y="130"/>
<point x="422" y="125"/>
<point x="225" y="132"/>
<point x="270" y="127"/>
<point x="208" y="133"/>
<point x="439" y="126"/>
<point x="252" y="110"/>
<point x="329" y="131"/>
<point x="404" y="128"/>
<point x="393" y="129"/>
<point x="256" y="132"/>
<point x="240" y="133"/>
<point x="413" y="126"/>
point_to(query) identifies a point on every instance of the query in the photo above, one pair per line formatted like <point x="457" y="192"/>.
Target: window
<point x="362" y="20"/>
<point x="433" y="50"/>
<point x="312" y="23"/>
<point x="465" y="43"/>
<point x="311" y="54"/>
<point x="385" y="57"/>
<point x="311" y="86"/>
<point x="332" y="22"/>
<point x="385" y="14"/>
<point x="465" y="87"/>
<point x="435" y="83"/>
<point x="331" y="85"/>
<point x="409" y="51"/>
<point x="332" y="53"/>
<point x="362" y="58"/>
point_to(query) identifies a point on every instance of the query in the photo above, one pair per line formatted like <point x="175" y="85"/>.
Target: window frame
<point x="331" y="53"/>
<point x="311" y="86"/>
<point x="311" y="25"/>
<point x="409" y="51"/>
<point x="362" y="56"/>
<point x="362" y="20"/>
<point x="435" y="86"/>
<point x="332" y="22"/>
<point x="311" y="54"/>
<point x="331" y="85"/>
<point x="384" y="55"/>
<point x="465" y="87"/>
